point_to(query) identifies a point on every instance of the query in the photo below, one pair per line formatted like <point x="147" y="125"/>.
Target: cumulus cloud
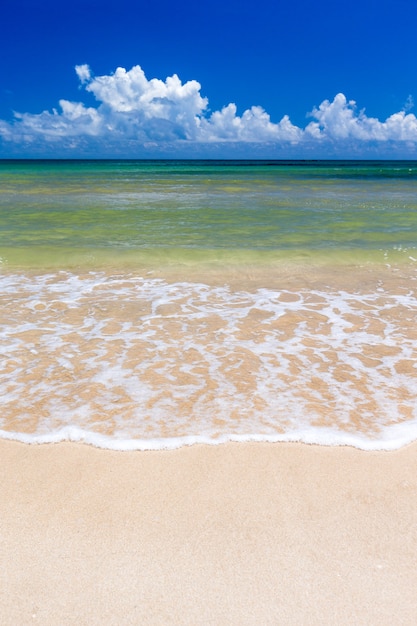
<point x="253" y="126"/>
<point x="338" y="120"/>
<point x="134" y="111"/>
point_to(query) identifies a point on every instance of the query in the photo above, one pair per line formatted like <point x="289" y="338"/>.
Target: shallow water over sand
<point x="154" y="304"/>
<point x="127" y="361"/>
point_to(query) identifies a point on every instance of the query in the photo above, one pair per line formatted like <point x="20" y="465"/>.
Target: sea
<point x="148" y="305"/>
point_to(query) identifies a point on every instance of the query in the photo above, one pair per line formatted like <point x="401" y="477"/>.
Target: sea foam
<point x="128" y="362"/>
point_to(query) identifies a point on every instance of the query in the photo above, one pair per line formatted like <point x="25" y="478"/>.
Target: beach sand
<point x="230" y="534"/>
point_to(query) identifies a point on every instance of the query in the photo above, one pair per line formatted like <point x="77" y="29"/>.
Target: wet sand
<point x="137" y="359"/>
<point x="243" y="534"/>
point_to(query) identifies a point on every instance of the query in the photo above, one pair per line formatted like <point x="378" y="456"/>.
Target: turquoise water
<point x="149" y="305"/>
<point x="65" y="212"/>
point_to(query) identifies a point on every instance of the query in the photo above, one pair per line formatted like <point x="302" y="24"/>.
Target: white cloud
<point x="133" y="112"/>
<point x="338" y="120"/>
<point x="74" y="120"/>
<point x="83" y="73"/>
<point x="254" y="126"/>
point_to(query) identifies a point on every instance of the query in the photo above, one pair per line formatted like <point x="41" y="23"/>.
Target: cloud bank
<point x="135" y="116"/>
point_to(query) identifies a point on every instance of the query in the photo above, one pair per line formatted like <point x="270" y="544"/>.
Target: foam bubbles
<point x="126" y="362"/>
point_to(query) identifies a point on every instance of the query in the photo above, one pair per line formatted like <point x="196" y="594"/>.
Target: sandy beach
<point x="232" y="534"/>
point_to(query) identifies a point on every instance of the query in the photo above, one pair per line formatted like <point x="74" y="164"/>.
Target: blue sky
<point x="309" y="79"/>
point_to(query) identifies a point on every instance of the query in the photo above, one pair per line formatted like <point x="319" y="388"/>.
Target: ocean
<point x="154" y="304"/>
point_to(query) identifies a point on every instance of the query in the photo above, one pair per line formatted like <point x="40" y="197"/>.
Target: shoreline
<point x="142" y="360"/>
<point x="329" y="439"/>
<point x="241" y="533"/>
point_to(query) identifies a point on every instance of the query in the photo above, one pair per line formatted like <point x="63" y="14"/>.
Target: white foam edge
<point x="400" y="435"/>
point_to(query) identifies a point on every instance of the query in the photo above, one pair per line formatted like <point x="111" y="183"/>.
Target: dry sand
<point x="234" y="534"/>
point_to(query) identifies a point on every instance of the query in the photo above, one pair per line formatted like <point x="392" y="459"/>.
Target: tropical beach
<point x="208" y="386"/>
<point x="208" y="304"/>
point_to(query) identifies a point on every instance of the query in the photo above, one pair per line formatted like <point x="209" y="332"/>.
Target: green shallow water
<point x="94" y="213"/>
